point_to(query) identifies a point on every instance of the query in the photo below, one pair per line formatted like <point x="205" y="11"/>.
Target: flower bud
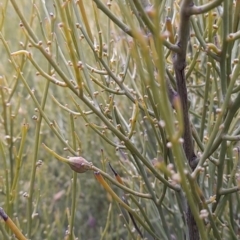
<point x="79" y="164"/>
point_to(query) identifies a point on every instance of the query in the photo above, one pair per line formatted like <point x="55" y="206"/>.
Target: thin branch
<point x="233" y="36"/>
<point x="126" y="28"/>
<point x="144" y="16"/>
<point x="231" y="138"/>
<point x="113" y="17"/>
<point x="173" y="47"/>
<point x="194" y="10"/>
<point x="229" y="190"/>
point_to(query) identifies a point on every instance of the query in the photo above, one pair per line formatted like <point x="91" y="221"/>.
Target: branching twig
<point x="205" y="7"/>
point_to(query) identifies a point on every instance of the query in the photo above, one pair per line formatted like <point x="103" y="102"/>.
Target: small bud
<point x="79" y="164"/>
<point x="203" y="213"/>
<point x="176" y="178"/>
<point x="25" y="194"/>
<point x="169" y="145"/>
<point x="39" y="163"/>
<point x="34" y="117"/>
<point x="162" y="123"/>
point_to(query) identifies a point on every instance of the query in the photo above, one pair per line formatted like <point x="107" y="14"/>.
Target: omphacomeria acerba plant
<point x="151" y="87"/>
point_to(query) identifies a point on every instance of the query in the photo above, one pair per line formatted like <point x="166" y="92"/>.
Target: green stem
<point x="74" y="182"/>
<point x="34" y="160"/>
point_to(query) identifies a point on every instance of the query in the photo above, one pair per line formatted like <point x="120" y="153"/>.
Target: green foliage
<point x="99" y="79"/>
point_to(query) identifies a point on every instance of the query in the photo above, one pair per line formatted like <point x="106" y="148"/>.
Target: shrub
<point x="150" y="87"/>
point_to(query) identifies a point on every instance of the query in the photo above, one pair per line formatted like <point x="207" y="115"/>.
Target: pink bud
<point x="79" y="164"/>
